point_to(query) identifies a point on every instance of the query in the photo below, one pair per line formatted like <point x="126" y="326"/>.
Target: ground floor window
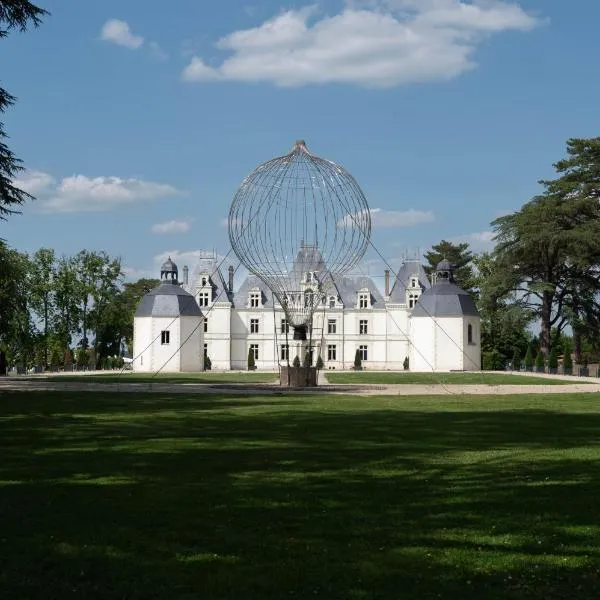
<point x="364" y="352"/>
<point x="254" y="350"/>
<point x="285" y="352"/>
<point x="331" y="352"/>
<point x="165" y="337"/>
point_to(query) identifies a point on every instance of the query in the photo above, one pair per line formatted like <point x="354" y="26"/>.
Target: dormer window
<point x="331" y="301"/>
<point x="204" y="281"/>
<point x="412" y="300"/>
<point x="254" y="299"/>
<point x="414" y="282"/>
<point x="203" y="298"/>
<point x="308" y="298"/>
<point x="309" y="277"/>
<point x="364" y="300"/>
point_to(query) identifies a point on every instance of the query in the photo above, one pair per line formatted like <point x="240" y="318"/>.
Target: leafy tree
<point x="132" y="294"/>
<point x="251" y="361"/>
<point x="492" y="361"/>
<point x="41" y="284"/>
<point x="17" y="334"/>
<point x="552" y="244"/>
<point x="66" y="304"/>
<point x="14" y="15"/>
<point x="458" y="255"/>
<point x="503" y="320"/>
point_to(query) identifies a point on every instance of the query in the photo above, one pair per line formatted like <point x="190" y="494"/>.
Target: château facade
<point x="436" y="327"/>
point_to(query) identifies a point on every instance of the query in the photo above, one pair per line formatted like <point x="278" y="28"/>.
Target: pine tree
<point x="539" y="362"/>
<point x="529" y="357"/>
<point x="553" y="360"/>
<point x="516" y="360"/>
<point x="567" y="360"/>
<point x="14" y="15"/>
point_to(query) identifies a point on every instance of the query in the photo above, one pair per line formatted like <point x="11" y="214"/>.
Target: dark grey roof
<point x="445" y="299"/>
<point x="168" y="300"/>
<point x="444" y="265"/>
<point x="210" y="266"/>
<point x="348" y="288"/>
<point x="252" y="281"/>
<point x="402" y="281"/>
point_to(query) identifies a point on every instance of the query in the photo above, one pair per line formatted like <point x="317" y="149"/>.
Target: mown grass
<point x="106" y="496"/>
<point x="479" y="378"/>
<point x="205" y="377"/>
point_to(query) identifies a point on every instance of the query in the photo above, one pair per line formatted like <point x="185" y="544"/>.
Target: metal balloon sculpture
<point x="298" y="222"/>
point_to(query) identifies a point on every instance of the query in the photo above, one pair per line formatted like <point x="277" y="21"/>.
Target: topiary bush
<point x="251" y="361"/>
<point x="207" y="363"/>
<point x="357" y="360"/>
<point x="529" y="362"/>
<point x="406" y="363"/>
<point x="540" y="362"/>
<point x="553" y="360"/>
<point x="567" y="361"/>
<point x="320" y="363"/>
<point x="296" y="361"/>
<point x="492" y="361"/>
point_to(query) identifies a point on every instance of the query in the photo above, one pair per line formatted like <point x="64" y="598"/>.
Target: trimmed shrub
<point x="207" y="363"/>
<point x="406" y="363"/>
<point x="320" y="363"/>
<point x="357" y="360"/>
<point x="529" y="362"/>
<point x="567" y="360"/>
<point x="251" y="361"/>
<point x="296" y="361"/>
<point x="516" y="360"/>
<point x="492" y="361"/>
<point x="540" y="363"/>
<point x="553" y="360"/>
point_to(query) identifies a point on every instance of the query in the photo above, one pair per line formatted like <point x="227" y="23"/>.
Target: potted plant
<point x="406" y="363"/>
<point x="529" y="358"/>
<point x="540" y="362"/>
<point x="567" y="361"/>
<point x="553" y="361"/>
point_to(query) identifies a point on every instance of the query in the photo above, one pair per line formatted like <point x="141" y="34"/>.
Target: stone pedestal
<point x="296" y="377"/>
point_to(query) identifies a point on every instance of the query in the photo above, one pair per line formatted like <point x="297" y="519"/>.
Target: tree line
<point x="50" y="304"/>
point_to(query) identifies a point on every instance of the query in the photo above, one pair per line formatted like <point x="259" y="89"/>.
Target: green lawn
<point x="206" y="377"/>
<point x="387" y="377"/>
<point x="147" y="497"/>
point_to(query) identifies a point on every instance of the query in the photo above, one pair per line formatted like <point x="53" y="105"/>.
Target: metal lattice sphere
<point x="298" y="222"/>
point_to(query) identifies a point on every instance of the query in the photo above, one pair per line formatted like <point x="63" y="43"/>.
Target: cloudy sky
<point x="137" y="120"/>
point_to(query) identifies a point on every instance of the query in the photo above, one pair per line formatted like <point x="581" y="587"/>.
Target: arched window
<point x="469" y="333"/>
<point x="308" y="298"/>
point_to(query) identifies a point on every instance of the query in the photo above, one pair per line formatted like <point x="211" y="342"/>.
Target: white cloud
<point x="172" y="227"/>
<point x="118" y="32"/>
<point x="480" y="241"/>
<point x="381" y="218"/>
<point x="157" y="51"/>
<point x="80" y="193"/>
<point x="34" y="182"/>
<point x="372" y="43"/>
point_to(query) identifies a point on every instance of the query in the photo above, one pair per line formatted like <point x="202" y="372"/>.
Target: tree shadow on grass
<point x="204" y="497"/>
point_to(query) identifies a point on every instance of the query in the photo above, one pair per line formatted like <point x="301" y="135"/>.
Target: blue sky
<point x="137" y="122"/>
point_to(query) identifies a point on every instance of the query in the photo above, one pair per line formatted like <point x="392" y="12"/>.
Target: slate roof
<point x="168" y="300"/>
<point x="210" y="266"/>
<point x="402" y="280"/>
<point x="445" y="299"/>
<point x="252" y="281"/>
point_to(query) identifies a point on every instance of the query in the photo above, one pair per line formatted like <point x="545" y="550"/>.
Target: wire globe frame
<point x="297" y="222"/>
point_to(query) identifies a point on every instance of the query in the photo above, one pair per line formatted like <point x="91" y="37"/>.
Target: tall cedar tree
<point x="458" y="255"/>
<point x="14" y="15"/>
<point x="552" y="246"/>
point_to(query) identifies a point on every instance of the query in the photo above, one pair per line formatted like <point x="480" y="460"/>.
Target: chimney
<point x="185" y="275"/>
<point x="230" y="279"/>
<point x="387" y="282"/>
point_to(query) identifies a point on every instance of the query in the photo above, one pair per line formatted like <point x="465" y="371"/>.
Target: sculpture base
<point x="297" y="377"/>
